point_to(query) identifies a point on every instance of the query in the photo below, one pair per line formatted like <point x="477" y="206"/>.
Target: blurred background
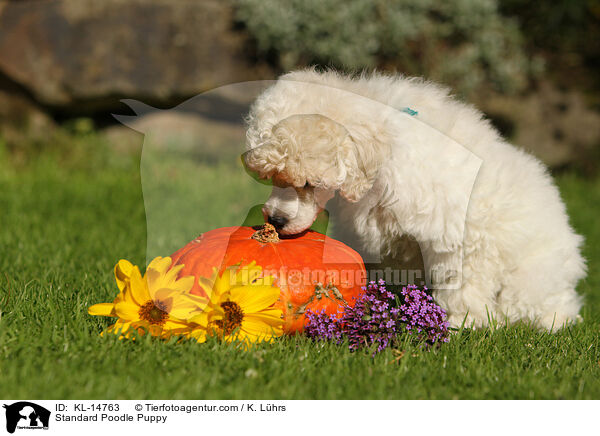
<point x="66" y="66"/>
<point x="532" y="67"/>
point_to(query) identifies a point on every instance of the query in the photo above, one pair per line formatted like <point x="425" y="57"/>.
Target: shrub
<point x="464" y="43"/>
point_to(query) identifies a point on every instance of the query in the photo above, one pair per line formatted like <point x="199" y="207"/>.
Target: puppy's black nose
<point x="277" y="221"/>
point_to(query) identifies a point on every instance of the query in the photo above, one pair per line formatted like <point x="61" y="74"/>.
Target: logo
<point x="26" y="415"/>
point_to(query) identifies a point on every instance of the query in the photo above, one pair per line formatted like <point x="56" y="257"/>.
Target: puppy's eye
<point x="306" y="185"/>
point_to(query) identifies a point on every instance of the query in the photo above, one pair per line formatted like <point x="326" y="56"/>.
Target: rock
<point x="83" y="55"/>
<point x="208" y="126"/>
<point x="20" y="117"/>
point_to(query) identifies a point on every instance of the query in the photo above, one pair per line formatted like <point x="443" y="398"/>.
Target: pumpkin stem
<point x="266" y="233"/>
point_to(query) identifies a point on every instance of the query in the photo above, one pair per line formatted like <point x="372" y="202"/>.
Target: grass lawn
<point x="66" y="220"/>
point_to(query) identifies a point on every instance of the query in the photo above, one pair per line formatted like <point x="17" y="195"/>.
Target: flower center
<point x="232" y="319"/>
<point x="154" y="312"/>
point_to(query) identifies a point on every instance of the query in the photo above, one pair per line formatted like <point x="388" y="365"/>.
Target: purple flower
<point x="377" y="320"/>
<point x="421" y="314"/>
<point x="322" y="326"/>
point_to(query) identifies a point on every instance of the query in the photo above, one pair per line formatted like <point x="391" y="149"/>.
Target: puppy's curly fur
<point x="445" y="177"/>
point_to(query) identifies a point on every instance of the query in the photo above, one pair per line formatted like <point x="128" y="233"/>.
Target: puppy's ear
<point x="362" y="159"/>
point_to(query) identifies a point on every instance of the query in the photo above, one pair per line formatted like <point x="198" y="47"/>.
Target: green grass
<point x="66" y="220"/>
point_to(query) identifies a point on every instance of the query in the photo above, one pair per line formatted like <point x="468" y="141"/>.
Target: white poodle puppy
<point x="410" y="161"/>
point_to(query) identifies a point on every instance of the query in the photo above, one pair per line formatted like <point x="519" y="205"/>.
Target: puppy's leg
<point x="464" y="289"/>
<point x="542" y="291"/>
<point x="468" y="306"/>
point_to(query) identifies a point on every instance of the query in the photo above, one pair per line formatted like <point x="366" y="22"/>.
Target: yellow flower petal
<point x="186" y="306"/>
<point x="127" y="311"/>
<point x="247" y="274"/>
<point x="223" y="282"/>
<point x="102" y="309"/>
<point x="199" y="335"/>
<point x="139" y="287"/>
<point x="122" y="272"/>
<point x="259" y="328"/>
<point x="158" y="275"/>
<point x="254" y="298"/>
<point x="118" y="328"/>
<point x="206" y="285"/>
<point x="252" y="339"/>
<point x="237" y="335"/>
<point x="170" y="277"/>
<point x="174" y="324"/>
<point x="271" y="311"/>
<point x="271" y="319"/>
<point x="264" y="281"/>
<point x="251" y="274"/>
<point x="160" y="264"/>
<point x="200" y="320"/>
<point x="184" y="284"/>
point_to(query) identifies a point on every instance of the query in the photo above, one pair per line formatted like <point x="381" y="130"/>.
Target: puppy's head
<point x="308" y="157"/>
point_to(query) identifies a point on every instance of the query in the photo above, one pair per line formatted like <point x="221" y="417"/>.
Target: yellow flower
<point x="158" y="303"/>
<point x="240" y="307"/>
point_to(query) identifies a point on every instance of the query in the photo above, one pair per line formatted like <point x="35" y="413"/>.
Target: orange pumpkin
<point x="306" y="282"/>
